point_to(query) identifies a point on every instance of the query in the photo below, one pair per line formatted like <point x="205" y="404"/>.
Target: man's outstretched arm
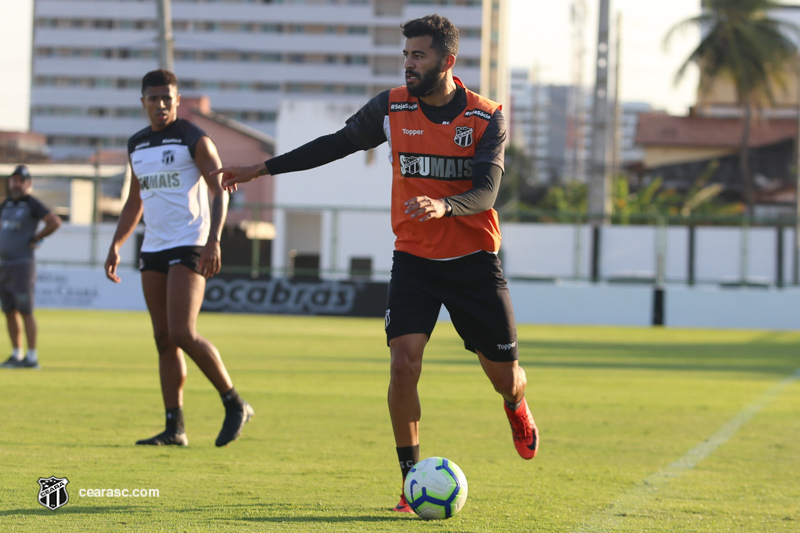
<point x="313" y="154"/>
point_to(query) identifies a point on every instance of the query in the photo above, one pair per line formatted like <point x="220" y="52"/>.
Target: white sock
<point x="32" y="355"/>
<point x="16" y="353"/>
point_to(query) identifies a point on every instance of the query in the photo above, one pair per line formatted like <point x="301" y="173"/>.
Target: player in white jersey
<point x="171" y="162"/>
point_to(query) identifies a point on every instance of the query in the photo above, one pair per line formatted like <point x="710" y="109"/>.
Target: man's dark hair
<point x="22" y="171"/>
<point x="156" y="78"/>
<point x="444" y="33"/>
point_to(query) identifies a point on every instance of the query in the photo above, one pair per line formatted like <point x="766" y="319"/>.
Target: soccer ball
<point x="436" y="488"/>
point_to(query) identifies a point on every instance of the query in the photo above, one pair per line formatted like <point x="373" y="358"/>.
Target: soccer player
<point x="447" y="149"/>
<point x="171" y="162"/>
<point x="20" y="215"/>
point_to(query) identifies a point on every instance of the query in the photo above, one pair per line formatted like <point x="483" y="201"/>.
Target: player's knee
<point x="509" y="383"/>
<point x="163" y="341"/>
<point x="182" y="337"/>
<point x="405" y="368"/>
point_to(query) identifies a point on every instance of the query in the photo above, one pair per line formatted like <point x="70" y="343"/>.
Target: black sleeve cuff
<point x="448" y="212"/>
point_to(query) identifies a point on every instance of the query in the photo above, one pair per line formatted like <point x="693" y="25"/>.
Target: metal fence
<point x="355" y="242"/>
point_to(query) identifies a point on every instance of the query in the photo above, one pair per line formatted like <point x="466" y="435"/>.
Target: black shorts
<point x="473" y="290"/>
<point x="17" y="284"/>
<point x="188" y="256"/>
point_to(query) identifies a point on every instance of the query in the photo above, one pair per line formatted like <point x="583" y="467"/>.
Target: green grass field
<point x="642" y="430"/>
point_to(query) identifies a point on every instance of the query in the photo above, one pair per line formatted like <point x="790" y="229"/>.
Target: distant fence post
<point x="796" y="254"/>
<point x="596" y="252"/>
<point x="661" y="271"/>
<point x="691" y="255"/>
<point x="577" y="253"/>
<point x="658" y="306"/>
<point x="779" y="258"/>
<point x="744" y="255"/>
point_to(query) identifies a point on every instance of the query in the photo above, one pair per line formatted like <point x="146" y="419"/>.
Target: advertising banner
<point x="285" y="296"/>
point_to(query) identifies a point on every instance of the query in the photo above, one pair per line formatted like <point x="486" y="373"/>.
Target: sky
<point x="540" y="38"/>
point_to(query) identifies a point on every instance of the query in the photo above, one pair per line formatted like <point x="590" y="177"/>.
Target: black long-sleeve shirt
<point x="365" y="130"/>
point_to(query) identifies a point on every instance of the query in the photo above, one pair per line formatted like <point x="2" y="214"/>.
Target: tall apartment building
<point x="549" y="123"/>
<point x="552" y="125"/>
<point x="245" y="55"/>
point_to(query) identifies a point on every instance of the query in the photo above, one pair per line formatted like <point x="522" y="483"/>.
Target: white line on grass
<point x="609" y="518"/>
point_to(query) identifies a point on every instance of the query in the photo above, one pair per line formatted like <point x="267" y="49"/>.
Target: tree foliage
<point x="517" y="167"/>
<point x="646" y="202"/>
<point x="741" y="43"/>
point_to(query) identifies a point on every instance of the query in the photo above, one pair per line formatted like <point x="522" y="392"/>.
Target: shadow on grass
<point x="69" y="510"/>
<point x="288" y="513"/>
<point x="278" y="512"/>
<point x="83" y="445"/>
<point x="275" y="512"/>
<point x="773" y="359"/>
<point x="532" y="362"/>
<point x="394" y="517"/>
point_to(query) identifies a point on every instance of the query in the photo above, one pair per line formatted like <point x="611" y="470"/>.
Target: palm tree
<point x="742" y="44"/>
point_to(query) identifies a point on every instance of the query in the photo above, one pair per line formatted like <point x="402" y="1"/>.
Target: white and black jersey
<point x="173" y="191"/>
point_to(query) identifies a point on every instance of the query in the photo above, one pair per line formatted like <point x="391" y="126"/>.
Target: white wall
<point x="557" y="252"/>
<point x="359" y="180"/>
<point x="722" y="254"/>
<point x="82" y="245"/>
<point x="581" y="303"/>
<point x="88" y="288"/>
<point x="715" y="307"/>
<point x="534" y="302"/>
<point x="567" y="252"/>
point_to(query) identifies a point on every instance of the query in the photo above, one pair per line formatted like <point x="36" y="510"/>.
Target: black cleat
<point x="26" y="362"/>
<point x="166" y="438"/>
<point x="235" y="419"/>
<point x="11" y="362"/>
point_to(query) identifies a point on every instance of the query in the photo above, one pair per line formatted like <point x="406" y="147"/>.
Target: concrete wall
<point x="88" y="288"/>
<point x="534" y="302"/>
<point x="684" y="307"/>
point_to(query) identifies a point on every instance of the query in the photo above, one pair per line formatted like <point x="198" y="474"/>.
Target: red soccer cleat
<point x="402" y="506"/>
<point x="523" y="429"/>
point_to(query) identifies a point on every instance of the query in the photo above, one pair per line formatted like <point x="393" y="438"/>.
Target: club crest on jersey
<point x="168" y="157"/>
<point x="463" y="136"/>
<point x="410" y="165"/>
<point x="53" y="492"/>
